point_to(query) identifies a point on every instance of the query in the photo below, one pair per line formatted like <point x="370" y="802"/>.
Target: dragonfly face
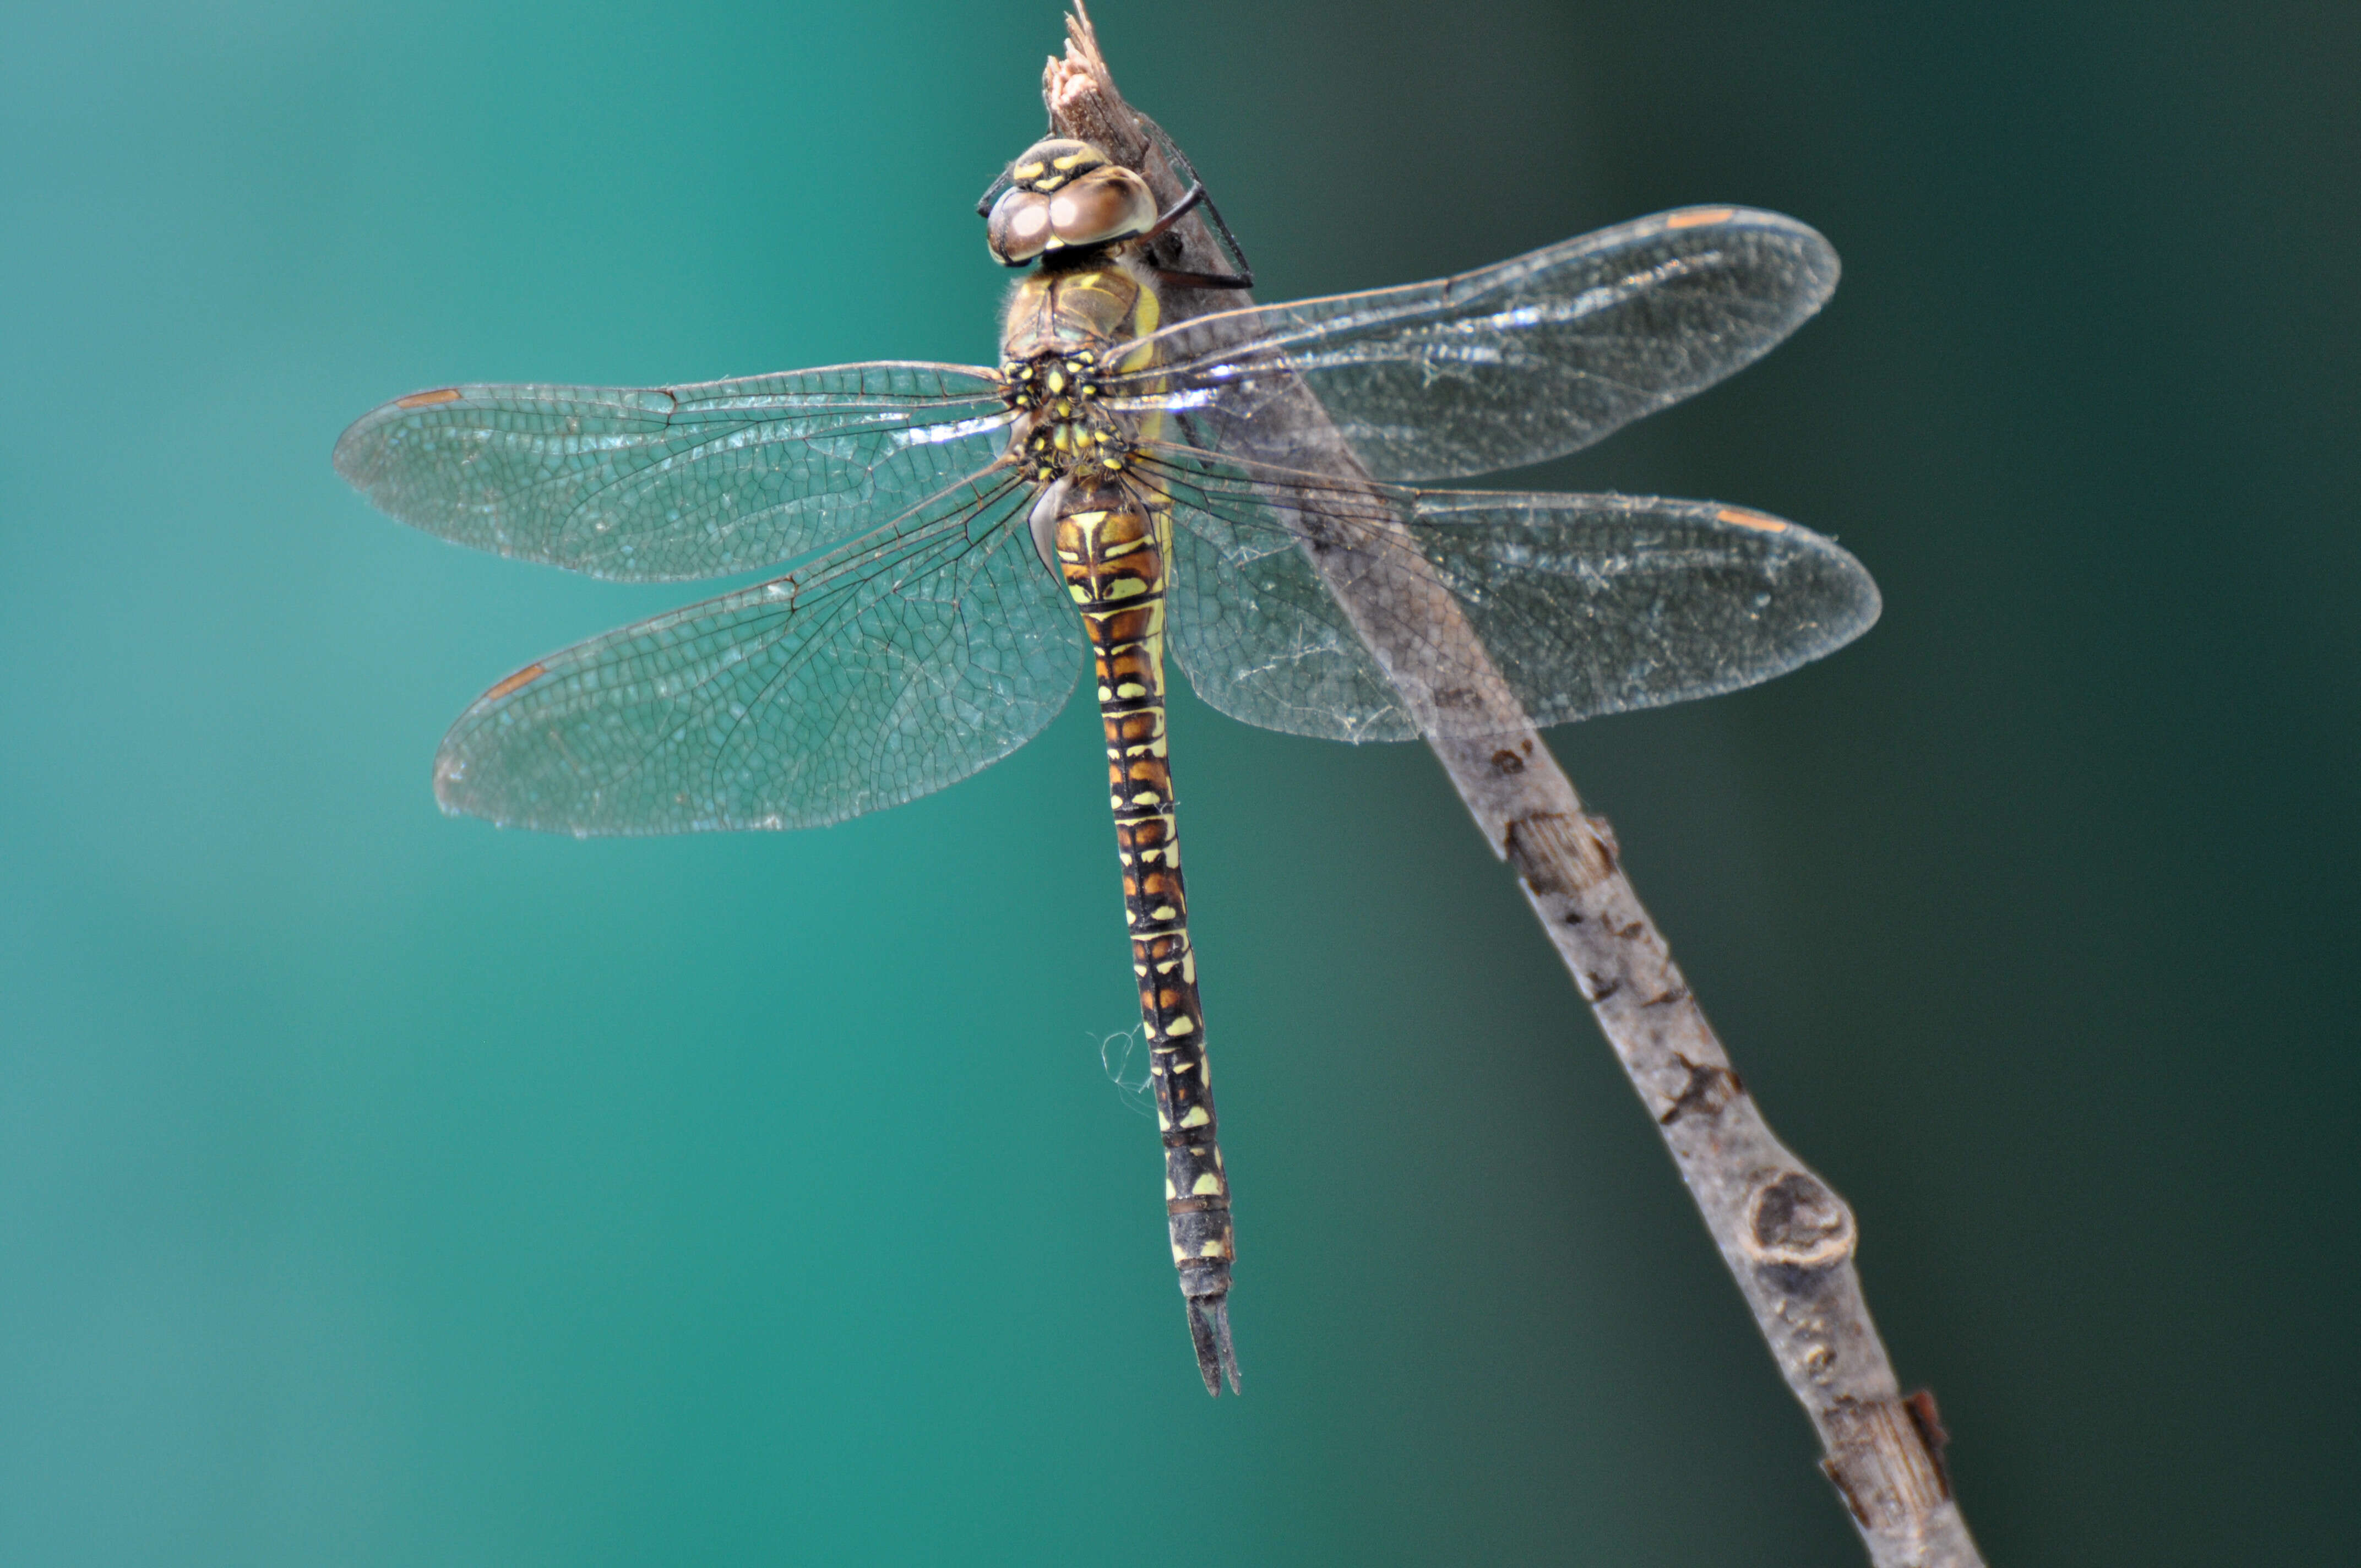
<point x="911" y="636"/>
<point x="1066" y="195"/>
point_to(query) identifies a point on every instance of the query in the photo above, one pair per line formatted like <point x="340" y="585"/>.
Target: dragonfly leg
<point x="1177" y="211"/>
<point x="1241" y="278"/>
<point x="1112" y="552"/>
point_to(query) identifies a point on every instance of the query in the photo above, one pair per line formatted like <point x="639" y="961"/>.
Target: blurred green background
<point x="378" y="1189"/>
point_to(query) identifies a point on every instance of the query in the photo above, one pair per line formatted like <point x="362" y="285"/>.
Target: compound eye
<point x="1105" y="205"/>
<point x="1019" y="227"/>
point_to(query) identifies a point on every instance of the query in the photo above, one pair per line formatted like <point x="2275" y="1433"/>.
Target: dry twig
<point x="1787" y="1238"/>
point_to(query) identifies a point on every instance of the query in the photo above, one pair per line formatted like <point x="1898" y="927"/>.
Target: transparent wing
<point x="894" y="666"/>
<point x="663" y="483"/>
<point x="1506" y="366"/>
<point x="1587" y="605"/>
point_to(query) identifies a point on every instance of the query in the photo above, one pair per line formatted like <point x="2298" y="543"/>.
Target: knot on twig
<point x="1710" y="1086"/>
<point x="1793" y="1220"/>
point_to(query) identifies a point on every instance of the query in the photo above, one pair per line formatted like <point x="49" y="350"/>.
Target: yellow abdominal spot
<point x="1195" y="1118"/>
<point x="1206" y="1183"/>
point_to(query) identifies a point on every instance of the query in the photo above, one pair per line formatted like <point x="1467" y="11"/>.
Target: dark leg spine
<point x="1111" y="550"/>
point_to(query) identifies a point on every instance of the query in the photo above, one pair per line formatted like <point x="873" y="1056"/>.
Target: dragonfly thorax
<point x="1062" y="430"/>
<point x="1054" y="383"/>
<point x="1065" y="336"/>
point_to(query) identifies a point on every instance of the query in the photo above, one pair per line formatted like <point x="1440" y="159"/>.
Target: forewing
<point x="1502" y="366"/>
<point x="885" y="671"/>
<point x="661" y="483"/>
<point x="1585" y="604"/>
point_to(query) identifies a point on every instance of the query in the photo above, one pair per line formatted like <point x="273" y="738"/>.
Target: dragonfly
<point x="954" y="545"/>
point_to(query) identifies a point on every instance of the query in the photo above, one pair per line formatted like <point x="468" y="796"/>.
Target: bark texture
<point x="1787" y="1238"/>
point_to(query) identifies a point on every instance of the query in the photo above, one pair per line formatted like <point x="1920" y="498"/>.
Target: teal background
<point x="378" y="1189"/>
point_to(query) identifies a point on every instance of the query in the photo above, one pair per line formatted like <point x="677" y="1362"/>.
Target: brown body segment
<point x="1112" y="551"/>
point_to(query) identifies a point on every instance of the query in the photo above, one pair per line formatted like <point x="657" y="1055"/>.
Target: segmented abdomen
<point x="1112" y="551"/>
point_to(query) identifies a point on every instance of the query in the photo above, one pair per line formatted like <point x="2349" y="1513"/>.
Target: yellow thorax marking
<point x="1145" y="315"/>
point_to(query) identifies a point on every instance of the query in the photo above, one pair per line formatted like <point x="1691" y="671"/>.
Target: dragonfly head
<point x="1066" y="195"/>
